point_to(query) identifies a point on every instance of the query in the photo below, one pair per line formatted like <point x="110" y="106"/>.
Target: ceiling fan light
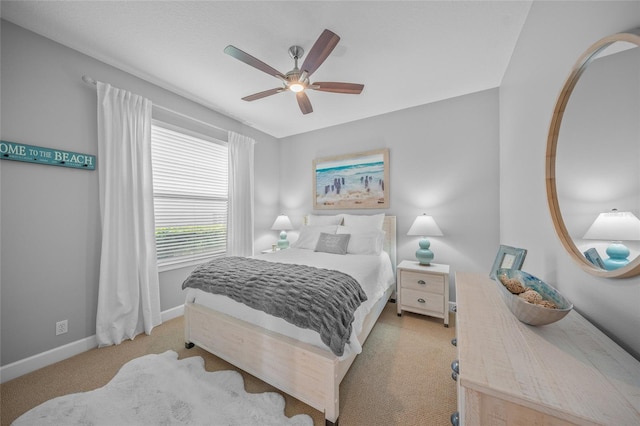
<point x="296" y="87"/>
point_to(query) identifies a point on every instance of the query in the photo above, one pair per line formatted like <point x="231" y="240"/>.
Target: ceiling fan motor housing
<point x="294" y="81"/>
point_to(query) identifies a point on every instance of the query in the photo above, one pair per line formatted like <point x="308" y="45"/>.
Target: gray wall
<point x="50" y="237"/>
<point x="443" y="161"/>
<point x="554" y="36"/>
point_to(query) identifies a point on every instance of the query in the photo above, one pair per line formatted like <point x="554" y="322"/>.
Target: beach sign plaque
<point x="48" y="156"/>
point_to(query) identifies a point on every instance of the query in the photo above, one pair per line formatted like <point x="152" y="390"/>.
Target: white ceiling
<point x="406" y="53"/>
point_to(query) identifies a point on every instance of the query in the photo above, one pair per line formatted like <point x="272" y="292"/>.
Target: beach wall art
<point x="352" y="181"/>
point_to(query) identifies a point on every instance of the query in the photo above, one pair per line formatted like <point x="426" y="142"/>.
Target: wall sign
<point x="52" y="157"/>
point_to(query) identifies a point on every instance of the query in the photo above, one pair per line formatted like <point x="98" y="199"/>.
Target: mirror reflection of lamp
<point x="615" y="226"/>
<point x="424" y="226"/>
<point x="282" y="224"/>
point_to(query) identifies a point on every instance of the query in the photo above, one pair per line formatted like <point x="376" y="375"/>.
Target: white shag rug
<point x="162" y="390"/>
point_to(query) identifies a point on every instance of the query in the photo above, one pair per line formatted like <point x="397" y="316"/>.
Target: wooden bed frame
<point x="306" y="372"/>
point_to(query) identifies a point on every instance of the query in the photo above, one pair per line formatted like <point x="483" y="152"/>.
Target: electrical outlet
<point x="62" y="327"/>
<point x="453" y="307"/>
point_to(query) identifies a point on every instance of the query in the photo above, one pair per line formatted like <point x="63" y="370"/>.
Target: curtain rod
<point x="93" y="82"/>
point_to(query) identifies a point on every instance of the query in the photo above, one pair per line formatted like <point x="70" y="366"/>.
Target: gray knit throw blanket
<point x="318" y="299"/>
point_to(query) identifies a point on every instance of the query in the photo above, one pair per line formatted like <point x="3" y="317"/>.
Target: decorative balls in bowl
<point x="530" y="299"/>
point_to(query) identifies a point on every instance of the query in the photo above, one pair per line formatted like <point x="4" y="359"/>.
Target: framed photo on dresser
<point x="593" y="257"/>
<point x="508" y="258"/>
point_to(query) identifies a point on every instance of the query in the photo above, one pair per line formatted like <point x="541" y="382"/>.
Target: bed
<point x="293" y="360"/>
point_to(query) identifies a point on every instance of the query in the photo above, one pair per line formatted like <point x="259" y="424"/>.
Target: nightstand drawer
<point x="422" y="300"/>
<point x="422" y="281"/>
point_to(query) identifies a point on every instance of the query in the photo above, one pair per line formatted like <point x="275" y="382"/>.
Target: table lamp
<point x="424" y="226"/>
<point x="615" y="226"/>
<point x="282" y="224"/>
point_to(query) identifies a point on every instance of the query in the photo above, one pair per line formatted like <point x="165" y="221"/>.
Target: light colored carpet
<point x="162" y="390"/>
<point x="402" y="377"/>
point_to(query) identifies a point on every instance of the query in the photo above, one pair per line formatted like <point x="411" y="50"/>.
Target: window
<point x="190" y="195"/>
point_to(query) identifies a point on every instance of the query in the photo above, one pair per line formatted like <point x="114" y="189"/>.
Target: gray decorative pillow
<point x="333" y="243"/>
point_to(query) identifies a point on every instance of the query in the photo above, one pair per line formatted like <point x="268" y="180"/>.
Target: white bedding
<point x="373" y="273"/>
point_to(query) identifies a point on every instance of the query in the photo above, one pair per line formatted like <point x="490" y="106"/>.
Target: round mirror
<point x="593" y="158"/>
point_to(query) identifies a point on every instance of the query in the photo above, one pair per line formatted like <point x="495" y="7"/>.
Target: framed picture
<point x="508" y="258"/>
<point x="593" y="257"/>
<point x="353" y="181"/>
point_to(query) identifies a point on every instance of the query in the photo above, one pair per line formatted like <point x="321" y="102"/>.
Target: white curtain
<point x="240" y="212"/>
<point x="128" y="295"/>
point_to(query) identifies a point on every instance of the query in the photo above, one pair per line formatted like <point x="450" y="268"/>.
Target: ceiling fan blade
<point x="329" y="86"/>
<point x="264" y="94"/>
<point x="304" y="103"/>
<point x="320" y="51"/>
<point x="254" y="62"/>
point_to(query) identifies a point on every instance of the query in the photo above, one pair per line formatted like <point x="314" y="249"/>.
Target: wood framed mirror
<point x="571" y="233"/>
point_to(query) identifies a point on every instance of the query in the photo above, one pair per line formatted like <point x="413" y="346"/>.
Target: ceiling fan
<point x="297" y="80"/>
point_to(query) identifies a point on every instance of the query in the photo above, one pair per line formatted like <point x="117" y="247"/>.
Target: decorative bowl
<point x="530" y="313"/>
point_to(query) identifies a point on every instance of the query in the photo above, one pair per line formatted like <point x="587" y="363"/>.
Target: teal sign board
<point x="52" y="157"/>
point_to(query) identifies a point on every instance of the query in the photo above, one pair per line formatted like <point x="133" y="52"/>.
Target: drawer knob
<point x="454" y="376"/>
<point x="454" y="341"/>
<point x="421" y="300"/>
<point x="455" y="419"/>
<point x="455" y="366"/>
<point x="421" y="282"/>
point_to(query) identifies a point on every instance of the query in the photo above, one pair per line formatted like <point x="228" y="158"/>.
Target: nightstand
<point x="271" y="250"/>
<point x="423" y="289"/>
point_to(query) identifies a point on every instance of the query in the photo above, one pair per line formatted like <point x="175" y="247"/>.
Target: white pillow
<point x="322" y="220"/>
<point x="309" y="235"/>
<point x="369" y="222"/>
<point x="363" y="242"/>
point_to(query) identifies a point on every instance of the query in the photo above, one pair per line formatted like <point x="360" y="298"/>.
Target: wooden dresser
<point x="563" y="373"/>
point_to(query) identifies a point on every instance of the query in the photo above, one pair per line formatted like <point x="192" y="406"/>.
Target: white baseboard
<point x="35" y="362"/>
<point x="172" y="313"/>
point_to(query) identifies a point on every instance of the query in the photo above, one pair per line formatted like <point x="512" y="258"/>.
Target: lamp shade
<point x="282" y="223"/>
<point x="425" y="226"/>
<point x="614" y="226"/>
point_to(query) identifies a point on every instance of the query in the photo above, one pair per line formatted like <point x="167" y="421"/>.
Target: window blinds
<point x="190" y="189"/>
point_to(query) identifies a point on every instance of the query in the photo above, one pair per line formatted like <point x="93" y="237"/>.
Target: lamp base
<point x="618" y="254"/>
<point x="283" y="243"/>
<point x="423" y="254"/>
